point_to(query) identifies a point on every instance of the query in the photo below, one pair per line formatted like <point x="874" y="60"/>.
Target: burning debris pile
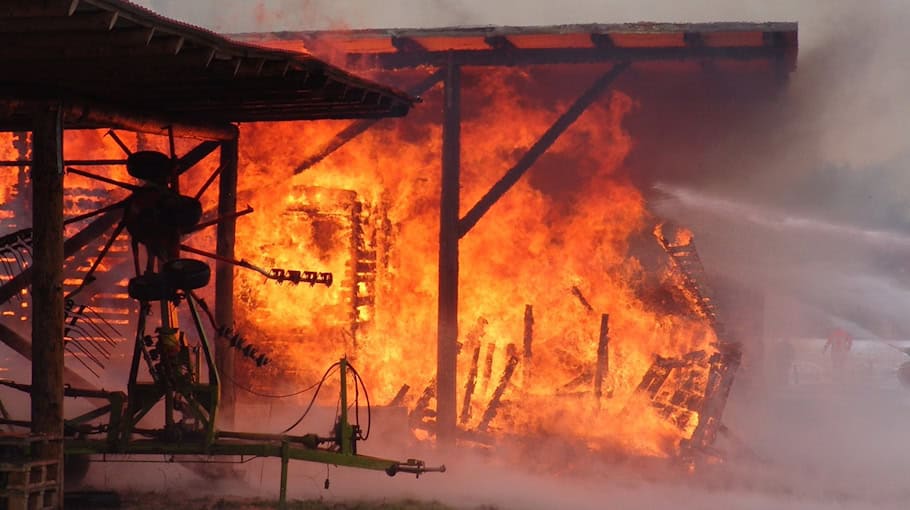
<point x="562" y="325"/>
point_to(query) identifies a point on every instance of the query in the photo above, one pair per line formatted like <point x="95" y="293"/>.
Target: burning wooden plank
<point x="603" y="358"/>
<point x="496" y="401"/>
<point x="528" y="341"/>
<point x="469" y="387"/>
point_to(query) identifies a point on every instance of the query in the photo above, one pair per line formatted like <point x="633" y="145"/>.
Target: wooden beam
<point x="224" y="273"/>
<point x="356" y="128"/>
<point x="99" y="115"/>
<point x="138" y="66"/>
<point x="78" y="38"/>
<point x="545" y="56"/>
<point x="161" y="47"/>
<point x="508" y="180"/>
<point x="196" y="154"/>
<point x="47" y="284"/>
<point x="447" y="318"/>
<point x="33" y="8"/>
<point x="80" y="21"/>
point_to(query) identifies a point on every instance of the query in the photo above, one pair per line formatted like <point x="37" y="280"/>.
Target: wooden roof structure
<point x="512" y="45"/>
<point x="117" y="56"/>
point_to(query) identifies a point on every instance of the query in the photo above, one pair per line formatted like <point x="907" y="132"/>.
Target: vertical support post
<point x="47" y="282"/>
<point x="224" y="273"/>
<point x="343" y="426"/>
<point x="21" y="144"/>
<point x="603" y="355"/>
<point x="447" y="326"/>
<point x="283" y="491"/>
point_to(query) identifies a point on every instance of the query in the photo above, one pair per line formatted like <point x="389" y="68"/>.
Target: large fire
<point x="558" y="241"/>
<point x="547" y="260"/>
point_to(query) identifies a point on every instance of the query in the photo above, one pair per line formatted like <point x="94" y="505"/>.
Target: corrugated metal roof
<point x="122" y="54"/>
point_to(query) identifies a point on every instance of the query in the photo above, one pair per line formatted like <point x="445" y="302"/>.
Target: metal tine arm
<point x="80" y="360"/>
<point x="86" y="337"/>
<point x="74" y="324"/>
<point x="89" y="311"/>
<point x="78" y="345"/>
<point x="90" y="322"/>
<point x="116" y="138"/>
<point x="208" y="182"/>
<point x="220" y="219"/>
<point x="96" y="212"/>
<point x="83" y="173"/>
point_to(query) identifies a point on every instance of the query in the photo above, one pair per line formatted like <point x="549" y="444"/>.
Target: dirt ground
<point x="155" y="501"/>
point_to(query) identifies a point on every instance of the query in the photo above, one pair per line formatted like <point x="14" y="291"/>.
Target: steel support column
<point x="47" y="283"/>
<point x="224" y="274"/>
<point x="447" y="332"/>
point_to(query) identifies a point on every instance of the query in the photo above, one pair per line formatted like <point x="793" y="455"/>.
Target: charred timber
<point x="528" y="341"/>
<point x="723" y="367"/>
<point x="91" y="114"/>
<point x="581" y="299"/>
<point x="488" y="365"/>
<point x="399" y="397"/>
<point x="47" y="284"/>
<point x="421" y="408"/>
<point x="224" y="272"/>
<point x="466" y="223"/>
<point x="447" y="306"/>
<point x="470" y="385"/>
<point x="358" y="127"/>
<point x="496" y="400"/>
<point x="603" y="356"/>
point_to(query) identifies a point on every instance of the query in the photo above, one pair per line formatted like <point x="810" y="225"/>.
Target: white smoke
<point x="810" y="202"/>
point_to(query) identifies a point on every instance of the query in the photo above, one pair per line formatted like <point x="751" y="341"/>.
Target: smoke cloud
<point x="805" y="199"/>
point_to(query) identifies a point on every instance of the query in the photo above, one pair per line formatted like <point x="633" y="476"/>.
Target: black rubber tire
<point x="152" y="166"/>
<point x="179" y="211"/>
<point x="149" y="287"/>
<point x="187" y="274"/>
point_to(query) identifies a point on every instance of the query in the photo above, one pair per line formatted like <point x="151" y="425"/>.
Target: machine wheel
<point x="152" y="166"/>
<point x="149" y="287"/>
<point x="179" y="211"/>
<point x="187" y="274"/>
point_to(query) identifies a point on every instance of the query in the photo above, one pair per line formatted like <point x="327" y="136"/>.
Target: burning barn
<point x="490" y="262"/>
<point x="551" y="299"/>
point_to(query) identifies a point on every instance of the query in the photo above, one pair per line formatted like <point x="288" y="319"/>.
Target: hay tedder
<point x="173" y="375"/>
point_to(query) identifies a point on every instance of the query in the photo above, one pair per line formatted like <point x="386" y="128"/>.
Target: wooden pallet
<point x="29" y="479"/>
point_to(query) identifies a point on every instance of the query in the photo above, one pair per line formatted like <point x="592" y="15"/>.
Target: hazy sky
<point x="831" y="162"/>
<point x="269" y="15"/>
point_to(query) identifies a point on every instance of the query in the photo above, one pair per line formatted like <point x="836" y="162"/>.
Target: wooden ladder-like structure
<point x="725" y="362"/>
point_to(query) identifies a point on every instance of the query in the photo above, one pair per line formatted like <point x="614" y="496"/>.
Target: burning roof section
<point x="511" y="46"/>
<point x="115" y="53"/>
